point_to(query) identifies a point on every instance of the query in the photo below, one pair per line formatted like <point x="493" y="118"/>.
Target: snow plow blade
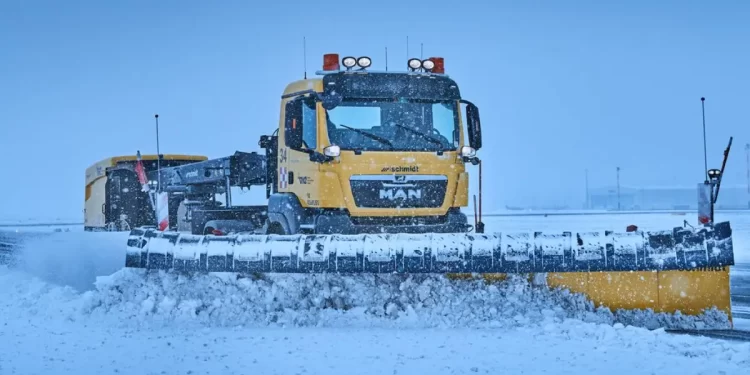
<point x="682" y="270"/>
<point x="678" y="249"/>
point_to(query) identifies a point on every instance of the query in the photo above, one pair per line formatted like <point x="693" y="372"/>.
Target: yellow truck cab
<point x="362" y="151"/>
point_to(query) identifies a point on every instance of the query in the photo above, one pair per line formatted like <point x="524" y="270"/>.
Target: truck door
<point x="297" y="174"/>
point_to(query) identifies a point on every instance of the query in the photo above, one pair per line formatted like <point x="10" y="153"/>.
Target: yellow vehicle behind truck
<point x="113" y="200"/>
<point x="367" y="172"/>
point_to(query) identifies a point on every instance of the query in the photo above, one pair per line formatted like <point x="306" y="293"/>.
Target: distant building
<point x="665" y="198"/>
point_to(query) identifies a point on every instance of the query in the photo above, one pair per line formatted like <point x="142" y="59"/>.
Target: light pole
<point x="588" y="202"/>
<point x="618" y="188"/>
<point x="708" y="191"/>
<point x="705" y="153"/>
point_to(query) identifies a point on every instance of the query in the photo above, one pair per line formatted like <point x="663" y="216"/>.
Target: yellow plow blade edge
<point x="689" y="292"/>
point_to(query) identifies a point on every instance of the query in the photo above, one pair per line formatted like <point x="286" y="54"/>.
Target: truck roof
<point x="304" y="85"/>
<point x="367" y="84"/>
<point x="98" y="169"/>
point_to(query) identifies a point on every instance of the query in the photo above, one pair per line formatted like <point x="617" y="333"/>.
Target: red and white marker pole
<point x="162" y="210"/>
<point x="143" y="180"/>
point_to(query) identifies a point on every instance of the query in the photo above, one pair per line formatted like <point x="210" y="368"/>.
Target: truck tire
<point x="274" y="228"/>
<point x="286" y="210"/>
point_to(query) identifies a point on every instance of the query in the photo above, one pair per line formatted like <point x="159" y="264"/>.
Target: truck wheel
<point x="274" y="228"/>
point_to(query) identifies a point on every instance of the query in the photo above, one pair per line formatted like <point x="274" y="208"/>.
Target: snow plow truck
<point x="367" y="172"/>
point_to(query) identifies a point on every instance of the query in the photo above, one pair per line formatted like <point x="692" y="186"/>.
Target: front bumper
<point x="340" y="223"/>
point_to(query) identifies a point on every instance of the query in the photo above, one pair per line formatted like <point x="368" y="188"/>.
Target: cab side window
<point x="293" y="124"/>
<point x="301" y="130"/>
<point x="309" y="124"/>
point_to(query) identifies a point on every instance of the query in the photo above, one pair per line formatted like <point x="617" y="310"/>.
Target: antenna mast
<point x="421" y="51"/>
<point x="304" y="54"/>
<point x="386" y="59"/>
<point x="705" y="153"/>
<point x="407" y="52"/>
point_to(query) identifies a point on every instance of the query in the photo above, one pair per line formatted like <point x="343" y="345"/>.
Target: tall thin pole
<point x="588" y="202"/>
<point x="705" y="153"/>
<point x="304" y="54"/>
<point x="386" y="59"/>
<point x="747" y="155"/>
<point x="158" y="155"/>
<point x="618" y="188"/>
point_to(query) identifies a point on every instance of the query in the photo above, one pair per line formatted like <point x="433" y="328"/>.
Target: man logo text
<point x="393" y="194"/>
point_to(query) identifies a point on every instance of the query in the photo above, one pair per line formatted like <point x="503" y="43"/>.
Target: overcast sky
<point x="561" y="89"/>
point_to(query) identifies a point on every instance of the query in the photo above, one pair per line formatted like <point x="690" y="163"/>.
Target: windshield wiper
<point x="425" y="136"/>
<point x="370" y="135"/>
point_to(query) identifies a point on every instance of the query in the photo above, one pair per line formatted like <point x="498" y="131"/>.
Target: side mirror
<point x="293" y="125"/>
<point x="473" y="125"/>
<point x="331" y="100"/>
<point x="317" y="157"/>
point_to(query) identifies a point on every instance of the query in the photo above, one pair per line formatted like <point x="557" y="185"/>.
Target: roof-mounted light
<point x="331" y="61"/>
<point x="714" y="174"/>
<point x="415" y="64"/>
<point x="431" y="65"/>
<point x="439" y="65"/>
<point x="349" y="62"/>
<point x="364" y="62"/>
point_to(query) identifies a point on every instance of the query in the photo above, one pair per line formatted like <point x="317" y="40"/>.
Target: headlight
<point x="428" y="64"/>
<point x="364" y="62"/>
<point x="348" y="62"/>
<point x="415" y="63"/>
<point x="468" y="151"/>
<point x="332" y="151"/>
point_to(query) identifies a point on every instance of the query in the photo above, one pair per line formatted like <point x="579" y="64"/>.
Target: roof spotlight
<point x="714" y="174"/>
<point x="428" y="64"/>
<point x="348" y="62"/>
<point x="364" y="62"/>
<point x="415" y="64"/>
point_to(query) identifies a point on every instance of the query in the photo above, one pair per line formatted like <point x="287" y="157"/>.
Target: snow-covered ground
<point x="58" y="317"/>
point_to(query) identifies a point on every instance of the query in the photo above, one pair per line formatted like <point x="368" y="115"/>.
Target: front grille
<point x="398" y="191"/>
<point x="399" y="221"/>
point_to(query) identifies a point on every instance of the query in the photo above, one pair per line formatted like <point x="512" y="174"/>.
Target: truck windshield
<point x="394" y="125"/>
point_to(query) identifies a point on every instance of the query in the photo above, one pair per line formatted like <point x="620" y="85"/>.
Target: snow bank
<point x="140" y="298"/>
<point x="179" y="324"/>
